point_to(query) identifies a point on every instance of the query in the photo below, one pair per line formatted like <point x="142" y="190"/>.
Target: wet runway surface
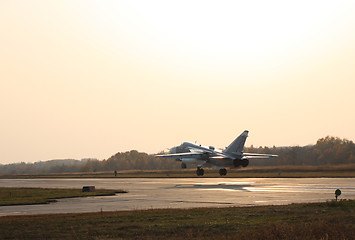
<point x="152" y="193"/>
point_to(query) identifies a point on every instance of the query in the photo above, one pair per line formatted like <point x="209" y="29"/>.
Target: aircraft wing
<point x="181" y="155"/>
<point x="256" y="155"/>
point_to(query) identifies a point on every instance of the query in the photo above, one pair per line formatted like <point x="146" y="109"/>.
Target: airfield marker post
<point x="337" y="194"/>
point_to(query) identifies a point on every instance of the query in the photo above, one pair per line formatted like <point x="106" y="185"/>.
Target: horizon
<point x="93" y="78"/>
<point x="91" y="158"/>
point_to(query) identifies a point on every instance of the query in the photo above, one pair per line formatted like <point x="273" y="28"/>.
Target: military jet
<point x="232" y="156"/>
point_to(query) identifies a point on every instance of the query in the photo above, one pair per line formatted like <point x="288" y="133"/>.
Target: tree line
<point x="327" y="151"/>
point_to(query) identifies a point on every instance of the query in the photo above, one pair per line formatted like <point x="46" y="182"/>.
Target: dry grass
<point x="25" y="196"/>
<point x="331" y="220"/>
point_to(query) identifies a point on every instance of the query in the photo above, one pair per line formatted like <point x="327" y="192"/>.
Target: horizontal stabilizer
<point x="256" y="155"/>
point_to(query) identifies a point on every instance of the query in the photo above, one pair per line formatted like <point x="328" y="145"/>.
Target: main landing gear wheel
<point x="200" y="172"/>
<point x="223" y="172"/>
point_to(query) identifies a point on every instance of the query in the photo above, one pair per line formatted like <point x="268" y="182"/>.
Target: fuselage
<point x="187" y="146"/>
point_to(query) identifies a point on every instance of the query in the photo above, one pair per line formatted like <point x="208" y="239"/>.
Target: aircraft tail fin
<point x="236" y="147"/>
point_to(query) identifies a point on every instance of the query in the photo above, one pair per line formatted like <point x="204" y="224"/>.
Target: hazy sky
<point x="91" y="78"/>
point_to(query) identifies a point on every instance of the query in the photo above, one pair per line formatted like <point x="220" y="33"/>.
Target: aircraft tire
<point x="200" y="172"/>
<point x="223" y="172"/>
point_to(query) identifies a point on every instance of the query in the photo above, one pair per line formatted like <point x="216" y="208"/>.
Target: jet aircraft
<point x="232" y="156"/>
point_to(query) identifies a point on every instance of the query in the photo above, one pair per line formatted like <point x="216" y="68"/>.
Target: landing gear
<point x="200" y="172"/>
<point x="183" y="165"/>
<point x="223" y="172"/>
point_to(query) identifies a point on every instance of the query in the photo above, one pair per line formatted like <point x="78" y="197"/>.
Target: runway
<point x="153" y="193"/>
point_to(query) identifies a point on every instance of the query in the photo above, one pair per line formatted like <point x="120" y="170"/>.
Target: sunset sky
<point x="92" y="78"/>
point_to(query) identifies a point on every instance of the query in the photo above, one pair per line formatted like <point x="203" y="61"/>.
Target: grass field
<point x="23" y="196"/>
<point x="249" y="172"/>
<point x="330" y="220"/>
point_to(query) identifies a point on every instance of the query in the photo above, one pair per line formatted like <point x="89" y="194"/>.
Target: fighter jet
<point x="232" y="156"/>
